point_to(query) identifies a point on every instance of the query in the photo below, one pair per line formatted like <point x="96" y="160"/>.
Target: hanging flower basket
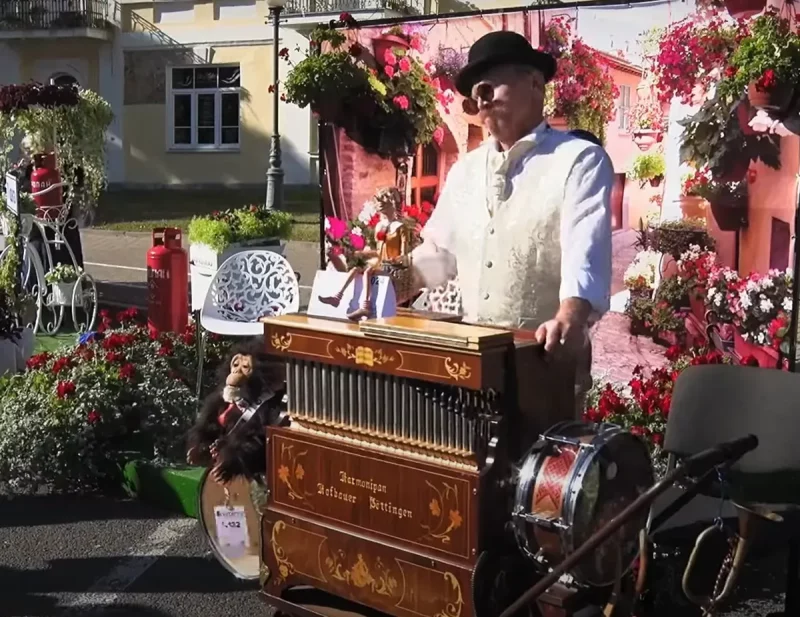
<point x="656" y="181"/>
<point x="777" y="98"/>
<point x="692" y="207"/>
<point x="730" y="212"/>
<point x="383" y="43"/>
<point x="645" y="138"/>
<point x="744" y="8"/>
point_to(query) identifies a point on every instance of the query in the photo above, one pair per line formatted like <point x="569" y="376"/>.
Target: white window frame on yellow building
<point x="217" y="146"/>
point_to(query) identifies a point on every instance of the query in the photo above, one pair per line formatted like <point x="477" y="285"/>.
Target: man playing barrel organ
<point x="524" y="221"/>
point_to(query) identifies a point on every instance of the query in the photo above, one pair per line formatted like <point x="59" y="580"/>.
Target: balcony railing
<point x="405" y="7"/>
<point x="55" y="14"/>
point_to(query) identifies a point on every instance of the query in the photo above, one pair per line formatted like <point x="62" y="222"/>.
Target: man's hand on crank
<point x="567" y="328"/>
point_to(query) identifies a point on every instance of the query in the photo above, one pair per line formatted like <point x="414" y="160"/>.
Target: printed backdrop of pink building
<point x="353" y="175"/>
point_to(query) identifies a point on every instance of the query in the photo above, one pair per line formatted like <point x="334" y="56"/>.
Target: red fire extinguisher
<point x="46" y="187"/>
<point x="167" y="282"/>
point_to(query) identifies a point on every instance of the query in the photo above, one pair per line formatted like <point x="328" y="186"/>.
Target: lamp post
<point x="275" y="171"/>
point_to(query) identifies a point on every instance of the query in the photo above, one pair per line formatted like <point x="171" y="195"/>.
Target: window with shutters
<point x="203" y="107"/>
<point x="624" y="107"/>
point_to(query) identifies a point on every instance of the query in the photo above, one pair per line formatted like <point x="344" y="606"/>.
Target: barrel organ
<point x="391" y="480"/>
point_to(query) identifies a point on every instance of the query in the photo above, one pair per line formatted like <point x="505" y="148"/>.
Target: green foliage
<point x="240" y="225"/>
<point x="647" y="166"/>
<point x="713" y="139"/>
<point x="214" y="233"/>
<point x="77" y="415"/>
<point x="674" y="291"/>
<point x="769" y="55"/>
<point x="675" y="237"/>
<point x="640" y="310"/>
<point x="61" y="273"/>
<point x="329" y="83"/>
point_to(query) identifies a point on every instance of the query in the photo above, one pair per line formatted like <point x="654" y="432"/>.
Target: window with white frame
<point x="624" y="107"/>
<point x="203" y="107"/>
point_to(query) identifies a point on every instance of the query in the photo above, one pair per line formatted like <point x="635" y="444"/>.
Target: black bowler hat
<point x="498" y="48"/>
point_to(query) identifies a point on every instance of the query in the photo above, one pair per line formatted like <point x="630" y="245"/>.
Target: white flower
<point x="761" y="338"/>
<point x="766" y="305"/>
<point x="711" y="293"/>
<point x="752" y="286"/>
<point x="357" y="231"/>
<point x="327" y="224"/>
<point x="744" y="300"/>
<point x="786" y="305"/>
<point x="767" y="283"/>
<point x="718" y="300"/>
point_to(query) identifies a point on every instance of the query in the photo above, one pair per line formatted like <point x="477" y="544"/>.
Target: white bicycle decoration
<point x="50" y="308"/>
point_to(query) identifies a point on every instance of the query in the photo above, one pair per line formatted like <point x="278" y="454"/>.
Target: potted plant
<point x="391" y="39"/>
<point x="713" y="138"/>
<point x="695" y="266"/>
<point x="728" y="200"/>
<point x="766" y="64"/>
<point x="741" y="9"/>
<point x="674" y="290"/>
<point x="646" y="120"/>
<point x="222" y="234"/>
<point x="62" y="278"/>
<point x="667" y="325"/>
<point x="722" y="285"/>
<point x="446" y="64"/>
<point x="757" y="301"/>
<point x="676" y="237"/>
<point x="640" y="311"/>
<point x="692" y="205"/>
<point x="691" y="54"/>
<point x="582" y="92"/>
<point x="648" y="167"/>
<point x="640" y="276"/>
<point x="387" y="111"/>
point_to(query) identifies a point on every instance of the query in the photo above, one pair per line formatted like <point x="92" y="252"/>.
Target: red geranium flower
<point x="93" y="417"/>
<point x="64" y="389"/>
<point x="127" y="371"/>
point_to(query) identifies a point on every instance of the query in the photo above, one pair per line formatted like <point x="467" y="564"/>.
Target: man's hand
<point x="566" y="329"/>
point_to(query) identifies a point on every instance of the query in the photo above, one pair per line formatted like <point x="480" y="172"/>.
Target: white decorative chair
<point x="443" y="299"/>
<point x="248" y="285"/>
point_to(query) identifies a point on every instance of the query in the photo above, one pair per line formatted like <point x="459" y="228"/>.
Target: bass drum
<point x="230" y="520"/>
<point x="574" y="480"/>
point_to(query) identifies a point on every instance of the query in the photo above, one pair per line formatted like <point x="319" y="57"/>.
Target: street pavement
<point x="117" y="261"/>
<point x="101" y="557"/>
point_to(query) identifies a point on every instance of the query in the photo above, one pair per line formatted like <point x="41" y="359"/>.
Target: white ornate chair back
<point x="444" y="299"/>
<point x="247" y="286"/>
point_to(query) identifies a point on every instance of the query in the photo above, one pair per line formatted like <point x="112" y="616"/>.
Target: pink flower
<point x="357" y="241"/>
<point x="438" y="135"/>
<point x="405" y="65"/>
<point x="401" y="101"/>
<point x="336" y="228"/>
<point x="389" y="57"/>
<point x="416" y="43"/>
<point x="389" y="70"/>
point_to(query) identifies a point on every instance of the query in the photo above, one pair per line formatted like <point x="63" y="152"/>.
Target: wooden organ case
<point x="391" y="480"/>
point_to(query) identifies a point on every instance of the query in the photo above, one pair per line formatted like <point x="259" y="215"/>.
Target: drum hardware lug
<point x="474" y="491"/>
<point x="550" y="524"/>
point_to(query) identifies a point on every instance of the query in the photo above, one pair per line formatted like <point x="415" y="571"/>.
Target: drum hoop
<point x="605" y="432"/>
<point x="204" y="530"/>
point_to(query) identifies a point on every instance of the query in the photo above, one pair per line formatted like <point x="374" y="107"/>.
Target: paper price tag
<point x="232" y="530"/>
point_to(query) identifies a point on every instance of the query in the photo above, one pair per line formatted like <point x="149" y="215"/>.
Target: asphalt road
<point x="98" y="557"/>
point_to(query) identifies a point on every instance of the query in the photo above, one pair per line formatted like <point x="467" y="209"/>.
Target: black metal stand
<point x="793" y="324"/>
<point x="322" y="171"/>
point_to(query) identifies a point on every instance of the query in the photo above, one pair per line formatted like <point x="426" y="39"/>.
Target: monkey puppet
<point x="230" y="432"/>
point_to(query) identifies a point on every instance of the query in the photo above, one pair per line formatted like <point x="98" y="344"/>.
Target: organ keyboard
<point x="389" y="481"/>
